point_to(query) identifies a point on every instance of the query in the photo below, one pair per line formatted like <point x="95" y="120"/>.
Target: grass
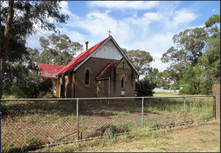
<point x="156" y="141"/>
<point x="205" y="132"/>
<point x="112" y="118"/>
<point x="31" y="140"/>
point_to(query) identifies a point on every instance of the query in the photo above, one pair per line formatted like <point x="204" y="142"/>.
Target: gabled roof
<point x="84" y="56"/>
<point x="80" y="58"/>
<point x="49" y="71"/>
<point x="106" y="71"/>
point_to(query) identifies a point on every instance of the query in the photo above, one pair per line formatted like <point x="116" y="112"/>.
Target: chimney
<point x="86" y="42"/>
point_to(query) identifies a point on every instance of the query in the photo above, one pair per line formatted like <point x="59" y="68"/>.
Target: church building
<point x="101" y="71"/>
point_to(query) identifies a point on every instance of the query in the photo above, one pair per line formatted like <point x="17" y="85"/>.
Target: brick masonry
<point x="216" y="91"/>
<point x="73" y="85"/>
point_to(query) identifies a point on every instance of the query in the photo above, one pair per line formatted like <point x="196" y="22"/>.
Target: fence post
<point x="142" y="110"/>
<point x="77" y="121"/>
<point x="185" y="110"/>
<point x="214" y="106"/>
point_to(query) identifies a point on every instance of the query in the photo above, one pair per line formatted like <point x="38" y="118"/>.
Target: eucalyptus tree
<point x="58" y="49"/>
<point x="18" y="20"/>
<point x="140" y="59"/>
<point x="189" y="46"/>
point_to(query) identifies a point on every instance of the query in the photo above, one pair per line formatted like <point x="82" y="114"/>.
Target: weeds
<point x="36" y="118"/>
<point x="205" y="132"/>
<point x="152" y="118"/>
<point x="216" y="129"/>
<point x="203" y="140"/>
<point x="31" y="140"/>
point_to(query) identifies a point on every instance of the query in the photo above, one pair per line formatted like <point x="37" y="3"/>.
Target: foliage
<point x="195" y="60"/>
<point x="144" y="87"/>
<point x="29" y="89"/>
<point x="211" y="59"/>
<point x="212" y="21"/>
<point x="206" y="86"/>
<point x="58" y="50"/>
<point x="189" y="46"/>
<point x="140" y="59"/>
<point x="18" y="21"/>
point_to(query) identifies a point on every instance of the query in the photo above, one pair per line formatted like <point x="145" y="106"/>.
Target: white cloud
<point x="150" y="31"/>
<point x="65" y="10"/>
<point x="157" y="56"/>
<point x="184" y="16"/>
<point x="138" y="5"/>
<point x="213" y="10"/>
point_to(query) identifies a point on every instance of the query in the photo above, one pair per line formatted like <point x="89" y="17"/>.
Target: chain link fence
<point x="35" y="123"/>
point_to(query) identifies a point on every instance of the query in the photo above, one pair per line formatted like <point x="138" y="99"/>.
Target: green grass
<point x="36" y="118"/>
<point x="152" y="118"/>
<point x="216" y="129"/>
<point x="31" y="140"/>
<point x="205" y="132"/>
<point x="203" y="140"/>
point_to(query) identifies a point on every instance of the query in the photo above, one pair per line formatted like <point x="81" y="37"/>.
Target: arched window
<point x="122" y="83"/>
<point x="87" y="77"/>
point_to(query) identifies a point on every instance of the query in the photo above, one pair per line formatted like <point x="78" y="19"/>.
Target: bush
<point x="144" y="87"/>
<point x="188" y="90"/>
<point x="32" y="89"/>
<point x="206" y="87"/>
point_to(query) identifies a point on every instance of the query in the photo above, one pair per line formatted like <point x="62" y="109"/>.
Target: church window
<point x="122" y="83"/>
<point x="87" y="77"/>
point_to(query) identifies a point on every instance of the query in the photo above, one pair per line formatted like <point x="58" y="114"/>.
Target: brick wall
<point x="117" y="73"/>
<point x="95" y="65"/>
<point x="216" y="91"/>
<point x="75" y="81"/>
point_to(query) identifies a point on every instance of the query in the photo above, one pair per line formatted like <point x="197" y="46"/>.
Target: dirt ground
<point x="197" y="137"/>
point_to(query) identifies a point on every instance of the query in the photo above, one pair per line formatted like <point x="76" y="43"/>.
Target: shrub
<point x="206" y="87"/>
<point x="144" y="87"/>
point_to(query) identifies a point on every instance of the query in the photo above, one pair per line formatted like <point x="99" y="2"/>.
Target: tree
<point x="210" y="60"/>
<point x="20" y="17"/>
<point x="58" y="50"/>
<point x="212" y="21"/>
<point x="140" y="59"/>
<point x="151" y="75"/>
<point x="189" y="46"/>
<point x="164" y="79"/>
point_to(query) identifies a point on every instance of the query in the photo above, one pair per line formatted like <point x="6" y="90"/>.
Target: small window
<point x="122" y="83"/>
<point x="87" y="77"/>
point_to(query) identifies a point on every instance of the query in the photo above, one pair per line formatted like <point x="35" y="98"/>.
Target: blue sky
<point x="144" y="25"/>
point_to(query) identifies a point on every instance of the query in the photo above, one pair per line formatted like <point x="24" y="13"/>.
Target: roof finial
<point x="109" y="32"/>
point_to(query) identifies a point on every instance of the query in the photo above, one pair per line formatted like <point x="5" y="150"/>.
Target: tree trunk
<point x="4" y="51"/>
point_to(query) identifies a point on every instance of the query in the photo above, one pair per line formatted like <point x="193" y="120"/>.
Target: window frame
<point x="87" y="77"/>
<point x="123" y="83"/>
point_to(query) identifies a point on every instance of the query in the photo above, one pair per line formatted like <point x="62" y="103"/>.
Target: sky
<point x="144" y="25"/>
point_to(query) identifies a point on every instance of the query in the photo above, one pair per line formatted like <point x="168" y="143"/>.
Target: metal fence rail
<point x="31" y="123"/>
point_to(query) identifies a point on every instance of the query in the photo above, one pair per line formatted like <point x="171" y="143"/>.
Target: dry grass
<point x="178" y="139"/>
<point x="33" y="123"/>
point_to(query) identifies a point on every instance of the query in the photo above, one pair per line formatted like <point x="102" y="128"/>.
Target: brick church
<point x="101" y="71"/>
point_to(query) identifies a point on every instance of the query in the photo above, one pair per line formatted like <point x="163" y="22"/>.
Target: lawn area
<point x="33" y="123"/>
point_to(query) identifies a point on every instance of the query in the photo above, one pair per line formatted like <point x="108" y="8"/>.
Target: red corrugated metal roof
<point x="80" y="58"/>
<point x="106" y="71"/>
<point x="49" y="71"/>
